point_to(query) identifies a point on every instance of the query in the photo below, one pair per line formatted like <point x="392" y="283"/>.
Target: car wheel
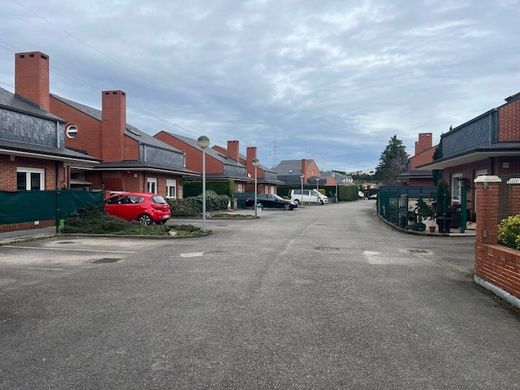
<point x="286" y="207"/>
<point x="297" y="201"/>
<point x="322" y="202"/>
<point x="145" y="219"/>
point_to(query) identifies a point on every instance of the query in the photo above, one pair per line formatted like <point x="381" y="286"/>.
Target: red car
<point x="145" y="208"/>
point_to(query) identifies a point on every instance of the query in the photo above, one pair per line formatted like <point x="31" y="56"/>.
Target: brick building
<point x="219" y="166"/>
<point x="267" y="179"/>
<point x="131" y="160"/>
<point x="424" y="150"/>
<point x="486" y="145"/>
<point x="290" y="172"/>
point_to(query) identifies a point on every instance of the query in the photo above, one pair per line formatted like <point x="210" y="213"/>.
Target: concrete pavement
<point x="317" y="298"/>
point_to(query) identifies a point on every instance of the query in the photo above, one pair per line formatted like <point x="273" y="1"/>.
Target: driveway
<point x="317" y="298"/>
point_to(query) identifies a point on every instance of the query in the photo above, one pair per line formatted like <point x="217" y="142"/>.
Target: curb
<point x="423" y="234"/>
<point x="22" y="239"/>
<point x="141" y="237"/>
<point x="497" y="291"/>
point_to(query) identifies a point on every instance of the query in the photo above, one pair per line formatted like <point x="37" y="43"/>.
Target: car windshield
<point x="158" y="200"/>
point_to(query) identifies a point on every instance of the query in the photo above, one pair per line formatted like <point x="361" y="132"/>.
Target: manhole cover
<point x="106" y="260"/>
<point x="418" y="251"/>
<point x="65" y="242"/>
<point x="327" y="248"/>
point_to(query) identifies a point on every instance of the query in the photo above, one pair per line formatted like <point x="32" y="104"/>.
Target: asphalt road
<point x="317" y="298"/>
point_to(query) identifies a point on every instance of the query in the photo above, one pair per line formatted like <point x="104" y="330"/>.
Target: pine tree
<point x="392" y="161"/>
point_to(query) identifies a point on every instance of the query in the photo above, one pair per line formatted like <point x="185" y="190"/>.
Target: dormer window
<point x="71" y="131"/>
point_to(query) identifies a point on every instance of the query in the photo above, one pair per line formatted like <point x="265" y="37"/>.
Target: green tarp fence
<point x="27" y="206"/>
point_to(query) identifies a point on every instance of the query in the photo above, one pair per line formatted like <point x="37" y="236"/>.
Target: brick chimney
<point x="250" y="156"/>
<point x="31" y="77"/>
<point x="304" y="168"/>
<point x="424" y="143"/>
<point x="114" y="125"/>
<point x="233" y="151"/>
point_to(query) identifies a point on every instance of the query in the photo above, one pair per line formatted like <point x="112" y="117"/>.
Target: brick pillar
<point x="486" y="188"/>
<point x="513" y="201"/>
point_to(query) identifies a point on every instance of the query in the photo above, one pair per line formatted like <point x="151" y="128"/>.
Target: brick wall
<point x="32" y="77"/>
<point x="8" y="172"/>
<point x="509" y="121"/>
<point x="26" y="226"/>
<point x="423" y="143"/>
<point x="89" y="128"/>
<point x="498" y="265"/>
<point x="193" y="155"/>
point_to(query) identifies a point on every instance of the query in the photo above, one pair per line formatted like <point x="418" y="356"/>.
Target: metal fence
<point x="419" y="208"/>
<point x="27" y="206"/>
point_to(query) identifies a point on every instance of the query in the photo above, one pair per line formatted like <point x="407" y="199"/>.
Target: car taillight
<point x="160" y="207"/>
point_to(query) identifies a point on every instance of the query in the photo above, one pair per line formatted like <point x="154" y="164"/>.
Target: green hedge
<point x="221" y="187"/>
<point x="346" y="192"/>
<point x="192" y="205"/>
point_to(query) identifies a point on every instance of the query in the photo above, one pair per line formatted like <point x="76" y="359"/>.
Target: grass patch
<point x="96" y="221"/>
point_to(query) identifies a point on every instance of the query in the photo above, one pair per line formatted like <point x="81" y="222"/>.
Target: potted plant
<point x="441" y="206"/>
<point x="425" y="212"/>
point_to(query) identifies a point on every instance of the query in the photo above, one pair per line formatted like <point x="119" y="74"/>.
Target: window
<point x="456" y="187"/>
<point x="71" y="131"/>
<point x="151" y="185"/>
<point x="171" y="188"/>
<point x="240" y="187"/>
<point x="30" y="179"/>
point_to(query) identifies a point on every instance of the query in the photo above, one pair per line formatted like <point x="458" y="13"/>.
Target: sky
<point x="328" y="80"/>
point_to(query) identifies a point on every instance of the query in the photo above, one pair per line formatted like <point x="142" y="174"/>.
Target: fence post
<point x="513" y="190"/>
<point x="57" y="211"/>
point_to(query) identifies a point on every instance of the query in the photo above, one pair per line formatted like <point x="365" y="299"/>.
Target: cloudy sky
<point x="329" y="80"/>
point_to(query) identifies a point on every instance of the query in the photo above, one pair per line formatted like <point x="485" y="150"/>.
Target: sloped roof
<point x="131" y="131"/>
<point x="263" y="167"/>
<point x="209" y="151"/>
<point x="51" y="151"/>
<point x="290" y="167"/>
<point x="17" y="103"/>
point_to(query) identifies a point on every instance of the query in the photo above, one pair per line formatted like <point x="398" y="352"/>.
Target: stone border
<point x="497" y="291"/>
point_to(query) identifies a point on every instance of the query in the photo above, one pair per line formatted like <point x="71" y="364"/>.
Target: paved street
<point x="317" y="298"/>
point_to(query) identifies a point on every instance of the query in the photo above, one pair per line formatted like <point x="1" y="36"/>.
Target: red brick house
<point x="267" y="179"/>
<point x="290" y="172"/>
<point x="131" y="160"/>
<point x="219" y="166"/>
<point x="486" y="145"/>
<point x="33" y="156"/>
<point x="413" y="176"/>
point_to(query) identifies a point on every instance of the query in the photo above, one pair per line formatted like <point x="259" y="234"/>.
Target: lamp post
<point x="255" y="163"/>
<point x="301" y="193"/>
<point x="203" y="143"/>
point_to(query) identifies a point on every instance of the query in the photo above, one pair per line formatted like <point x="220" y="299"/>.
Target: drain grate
<point x="106" y="260"/>
<point x="327" y="248"/>
<point x="65" y="242"/>
<point x="418" y="251"/>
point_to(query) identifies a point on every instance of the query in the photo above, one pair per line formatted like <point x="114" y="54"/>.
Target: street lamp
<point x="301" y="181"/>
<point x="203" y="143"/>
<point x="255" y="163"/>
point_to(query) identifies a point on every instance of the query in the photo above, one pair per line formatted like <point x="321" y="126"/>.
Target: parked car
<point x="373" y="196"/>
<point x="272" y="201"/>
<point x="308" y="196"/>
<point x="145" y="208"/>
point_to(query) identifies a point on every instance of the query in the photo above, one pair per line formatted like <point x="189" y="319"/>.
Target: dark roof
<point x="290" y="167"/>
<point x="43" y="149"/>
<point x="417" y="174"/>
<point x="136" y="164"/>
<point x="513" y="97"/>
<point x="221" y="176"/>
<point x="17" y="103"/>
<point x="131" y="131"/>
<point x="209" y="151"/>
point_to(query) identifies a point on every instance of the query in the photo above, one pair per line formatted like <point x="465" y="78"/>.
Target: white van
<point x="308" y="196"/>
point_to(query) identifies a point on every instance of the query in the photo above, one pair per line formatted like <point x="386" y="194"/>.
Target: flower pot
<point x="432" y="229"/>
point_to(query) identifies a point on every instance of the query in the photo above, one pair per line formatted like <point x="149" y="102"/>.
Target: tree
<point x="392" y="161"/>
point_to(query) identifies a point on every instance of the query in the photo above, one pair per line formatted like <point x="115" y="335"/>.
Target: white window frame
<point x="28" y="172"/>
<point x="456" y="187"/>
<point x="151" y="181"/>
<point x="240" y="187"/>
<point x="171" y="183"/>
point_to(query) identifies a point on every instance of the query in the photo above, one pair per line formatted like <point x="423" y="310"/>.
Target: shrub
<point x="192" y="206"/>
<point x="509" y="232"/>
<point x="221" y="187"/>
